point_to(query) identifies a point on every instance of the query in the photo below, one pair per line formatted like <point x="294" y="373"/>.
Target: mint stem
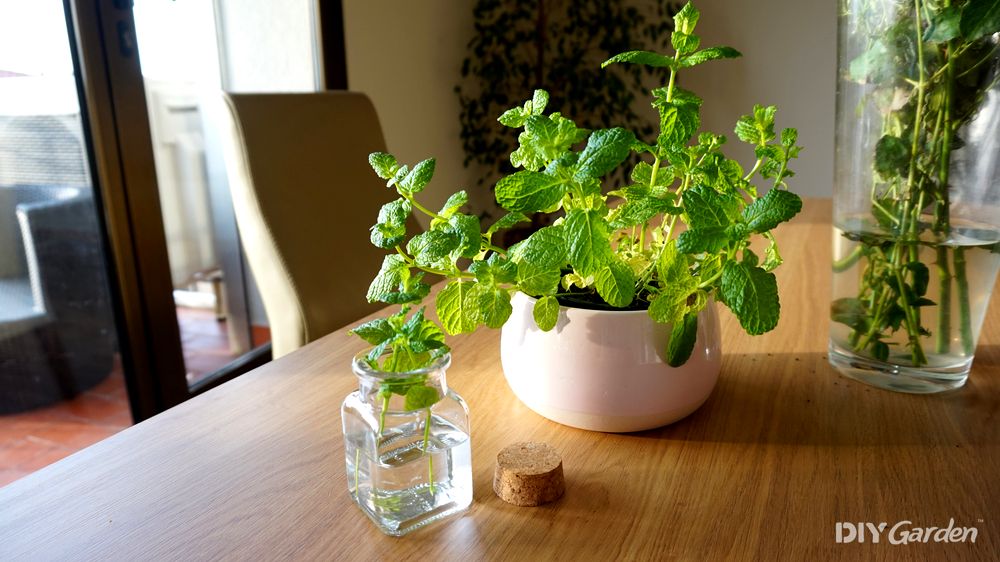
<point x="430" y="458"/>
<point x="964" y="315"/>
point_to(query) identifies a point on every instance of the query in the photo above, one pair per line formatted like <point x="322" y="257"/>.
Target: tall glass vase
<point x="917" y="190"/>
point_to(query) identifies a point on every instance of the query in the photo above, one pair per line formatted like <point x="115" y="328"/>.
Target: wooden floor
<point x="34" y="439"/>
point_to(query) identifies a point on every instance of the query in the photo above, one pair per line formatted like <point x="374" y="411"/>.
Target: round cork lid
<point x="529" y="474"/>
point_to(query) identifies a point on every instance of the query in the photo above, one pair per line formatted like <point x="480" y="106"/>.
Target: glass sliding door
<point x="61" y="375"/>
<point x="190" y="51"/>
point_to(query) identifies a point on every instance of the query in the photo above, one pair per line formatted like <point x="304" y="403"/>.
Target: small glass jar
<point x="406" y="442"/>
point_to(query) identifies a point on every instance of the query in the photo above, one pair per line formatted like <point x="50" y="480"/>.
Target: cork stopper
<point x="529" y="474"/>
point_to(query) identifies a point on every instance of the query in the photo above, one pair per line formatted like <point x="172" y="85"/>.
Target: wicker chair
<point x="57" y="334"/>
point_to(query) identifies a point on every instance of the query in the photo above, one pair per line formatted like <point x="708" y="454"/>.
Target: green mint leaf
<point x="679" y="119"/>
<point x="711" y="53"/>
<point x="615" y="282"/>
<point x="752" y="294"/>
<point x="507" y="221"/>
<point x="892" y="156"/>
<point x="683" y="335"/>
<point x="384" y="164"/>
<point x="375" y="331"/>
<point x="502" y="269"/>
<point x="536" y="280"/>
<point x="698" y="240"/>
<point x="980" y="18"/>
<point x="681" y="96"/>
<point x="400" y="174"/>
<point x="432" y="247"/>
<point x="676" y="286"/>
<point x="545" y="248"/>
<point x="422" y="335"/>
<point x="757" y="128"/>
<point x="684" y="43"/>
<point x="874" y="65"/>
<point x="540" y="259"/>
<point x="543" y="140"/>
<point x="402" y="359"/>
<point x="647" y="58"/>
<point x="774" y="208"/>
<point x="538" y="101"/>
<point x="420" y="397"/>
<point x="410" y="291"/>
<point x="789" y="137"/>
<point x="454" y="203"/>
<point x="468" y="231"/>
<point x="495" y="269"/>
<point x="639" y="210"/>
<point x="772" y="258"/>
<point x="452" y="311"/>
<point x="394" y="272"/>
<point x="687" y="18"/>
<point x="527" y="191"/>
<point x="588" y="242"/>
<point x="514" y="117"/>
<point x="489" y="304"/>
<point x="707" y="208"/>
<point x="391" y="227"/>
<point x="546" y="313"/>
<point x="850" y="311"/>
<point x="605" y="150"/>
<point x="921" y="277"/>
<point x="418" y="178"/>
<point x="642" y="173"/>
<point x="944" y="25"/>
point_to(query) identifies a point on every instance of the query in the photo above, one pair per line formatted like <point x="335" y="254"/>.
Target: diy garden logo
<point x="903" y="532"/>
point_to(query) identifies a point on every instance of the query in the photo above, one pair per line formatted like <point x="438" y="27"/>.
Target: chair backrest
<point x="305" y="198"/>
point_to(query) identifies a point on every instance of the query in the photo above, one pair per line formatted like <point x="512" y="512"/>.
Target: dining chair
<point x="305" y="198"/>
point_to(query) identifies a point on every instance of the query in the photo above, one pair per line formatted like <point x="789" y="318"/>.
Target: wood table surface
<point x="783" y="450"/>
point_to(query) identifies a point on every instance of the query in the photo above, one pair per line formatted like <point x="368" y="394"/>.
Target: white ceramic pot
<point x="605" y="370"/>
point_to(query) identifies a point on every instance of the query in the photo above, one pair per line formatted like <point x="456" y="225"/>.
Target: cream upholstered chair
<point x="304" y="198"/>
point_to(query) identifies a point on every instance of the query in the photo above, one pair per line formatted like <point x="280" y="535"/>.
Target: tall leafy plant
<point x="559" y="44"/>
<point x="624" y="249"/>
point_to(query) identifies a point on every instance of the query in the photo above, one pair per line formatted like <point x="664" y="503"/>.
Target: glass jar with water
<point x="406" y="441"/>
<point x="917" y="190"/>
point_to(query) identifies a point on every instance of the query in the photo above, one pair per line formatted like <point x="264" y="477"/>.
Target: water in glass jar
<point x="411" y="475"/>
<point x="923" y="340"/>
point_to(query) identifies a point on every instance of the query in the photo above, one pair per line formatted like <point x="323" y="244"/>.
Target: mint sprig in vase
<point x="917" y="189"/>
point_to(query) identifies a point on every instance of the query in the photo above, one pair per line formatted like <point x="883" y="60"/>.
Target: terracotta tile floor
<point x="32" y="440"/>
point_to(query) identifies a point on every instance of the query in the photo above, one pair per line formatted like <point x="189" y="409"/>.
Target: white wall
<point x="789" y="59"/>
<point x="406" y="56"/>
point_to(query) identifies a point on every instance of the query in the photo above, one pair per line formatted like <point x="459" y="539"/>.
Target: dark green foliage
<point x="556" y="45"/>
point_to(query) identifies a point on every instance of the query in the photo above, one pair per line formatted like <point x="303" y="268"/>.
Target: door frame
<point x="120" y="154"/>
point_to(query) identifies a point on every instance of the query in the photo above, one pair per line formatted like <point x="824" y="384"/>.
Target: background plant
<point x="559" y="44"/>
<point x="617" y="250"/>
<point x="927" y="66"/>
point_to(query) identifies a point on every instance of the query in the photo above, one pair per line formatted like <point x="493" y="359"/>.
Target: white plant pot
<point x="605" y="370"/>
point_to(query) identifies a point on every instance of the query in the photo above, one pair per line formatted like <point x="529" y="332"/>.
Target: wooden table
<point x="782" y="451"/>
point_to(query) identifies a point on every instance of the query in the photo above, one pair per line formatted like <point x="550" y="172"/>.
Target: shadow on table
<point x="799" y="399"/>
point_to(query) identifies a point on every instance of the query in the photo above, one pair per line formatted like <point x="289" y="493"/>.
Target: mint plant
<point x="676" y="235"/>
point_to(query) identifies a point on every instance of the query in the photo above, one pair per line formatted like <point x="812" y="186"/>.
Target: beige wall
<point x="789" y="59"/>
<point x="406" y="56"/>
